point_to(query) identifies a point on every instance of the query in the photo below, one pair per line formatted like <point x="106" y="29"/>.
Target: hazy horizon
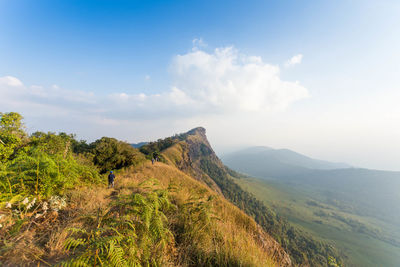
<point x="319" y="78"/>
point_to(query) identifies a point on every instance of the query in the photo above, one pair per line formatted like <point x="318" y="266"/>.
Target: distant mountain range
<point x="369" y="192"/>
<point x="263" y="161"/>
<point x="139" y="145"/>
<point x="337" y="197"/>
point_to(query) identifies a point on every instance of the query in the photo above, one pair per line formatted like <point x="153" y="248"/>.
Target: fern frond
<point x="73" y="243"/>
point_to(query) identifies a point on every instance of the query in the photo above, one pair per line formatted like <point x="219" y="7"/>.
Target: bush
<point x="40" y="165"/>
<point x="109" y="154"/>
<point x="11" y="134"/>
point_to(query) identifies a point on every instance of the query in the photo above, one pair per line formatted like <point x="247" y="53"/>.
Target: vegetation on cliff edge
<point x="55" y="208"/>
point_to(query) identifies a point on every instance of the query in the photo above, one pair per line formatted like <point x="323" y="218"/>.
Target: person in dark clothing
<point x="111" y="178"/>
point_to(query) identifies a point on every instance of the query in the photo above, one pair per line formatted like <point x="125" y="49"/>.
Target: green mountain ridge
<point x="192" y="153"/>
<point x="280" y="159"/>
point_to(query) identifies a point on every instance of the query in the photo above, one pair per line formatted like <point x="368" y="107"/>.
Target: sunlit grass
<point x="206" y="229"/>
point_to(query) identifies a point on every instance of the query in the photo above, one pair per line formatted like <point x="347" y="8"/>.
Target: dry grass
<point x="41" y="240"/>
<point x="234" y="235"/>
<point x="231" y="239"/>
<point x="174" y="154"/>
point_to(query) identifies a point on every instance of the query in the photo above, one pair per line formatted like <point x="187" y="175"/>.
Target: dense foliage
<point x="109" y="153"/>
<point x="39" y="165"/>
<point x="12" y="134"/>
<point x="45" y="164"/>
<point x="153" y="149"/>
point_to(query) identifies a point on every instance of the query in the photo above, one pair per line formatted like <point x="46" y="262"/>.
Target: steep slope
<point x="242" y="238"/>
<point x="192" y="153"/>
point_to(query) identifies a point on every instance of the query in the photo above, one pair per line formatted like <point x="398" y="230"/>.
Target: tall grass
<point x="155" y="216"/>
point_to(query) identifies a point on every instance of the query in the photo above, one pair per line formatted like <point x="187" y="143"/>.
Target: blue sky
<point x="81" y="43"/>
<point x="137" y="70"/>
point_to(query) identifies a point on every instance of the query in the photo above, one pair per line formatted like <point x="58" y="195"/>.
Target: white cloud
<point x="10" y="81"/>
<point x="204" y="85"/>
<point x="226" y="81"/>
<point x="198" y="43"/>
<point x="294" y="60"/>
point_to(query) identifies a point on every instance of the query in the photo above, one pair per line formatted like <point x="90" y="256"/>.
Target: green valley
<point x="365" y="240"/>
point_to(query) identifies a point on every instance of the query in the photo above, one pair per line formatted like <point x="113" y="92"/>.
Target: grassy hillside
<point x="360" y="237"/>
<point x="193" y="225"/>
<point x="192" y="153"/>
<point x="55" y="209"/>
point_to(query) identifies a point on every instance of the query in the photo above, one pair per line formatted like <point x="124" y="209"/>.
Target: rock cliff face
<point x="194" y="155"/>
<point x="187" y="153"/>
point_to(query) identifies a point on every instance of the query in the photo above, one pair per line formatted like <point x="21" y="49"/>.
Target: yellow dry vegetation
<point x="208" y="230"/>
<point x="234" y="237"/>
<point x="174" y="154"/>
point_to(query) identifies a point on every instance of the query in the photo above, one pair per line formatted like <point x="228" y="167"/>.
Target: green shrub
<point x="109" y="154"/>
<point x="40" y="165"/>
<point x="12" y="134"/>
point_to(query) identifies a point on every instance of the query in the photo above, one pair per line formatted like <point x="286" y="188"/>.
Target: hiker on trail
<point x="111" y="178"/>
<point x="155" y="157"/>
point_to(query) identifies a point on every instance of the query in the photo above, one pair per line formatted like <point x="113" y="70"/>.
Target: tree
<point x="109" y="154"/>
<point x="41" y="165"/>
<point x="12" y="134"/>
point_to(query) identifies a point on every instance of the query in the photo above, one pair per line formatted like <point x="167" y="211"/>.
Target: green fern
<point x="138" y="236"/>
<point x="101" y="246"/>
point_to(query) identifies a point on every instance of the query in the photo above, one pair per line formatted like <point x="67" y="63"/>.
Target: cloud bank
<point x="222" y="82"/>
<point x="226" y="81"/>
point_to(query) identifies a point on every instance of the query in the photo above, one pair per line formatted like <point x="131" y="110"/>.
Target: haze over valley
<point x="359" y="209"/>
